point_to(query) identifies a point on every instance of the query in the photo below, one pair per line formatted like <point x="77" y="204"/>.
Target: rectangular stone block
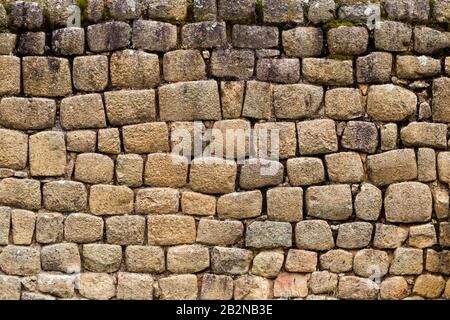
<point x="254" y="37"/>
<point x="5" y="225"/>
<point x="9" y="75"/>
<point x="332" y="202"/>
<point x="204" y="35"/>
<point x="48" y="154"/>
<point x="149" y="137"/>
<point x="154" y="35"/>
<point x="20" y="193"/>
<point x="167" y="230"/>
<point x="13" y="149"/>
<point x="328" y="71"/>
<point x="125" y="230"/>
<point x="27" y="113"/>
<point x="232" y="63"/>
<point x="108" y="36"/>
<point x="111" y="200"/>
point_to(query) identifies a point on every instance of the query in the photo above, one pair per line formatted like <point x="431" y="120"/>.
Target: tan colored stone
<point x="13" y="149"/>
<point x="258" y="100"/>
<point x="391" y="103"/>
<point x="305" y="171"/>
<point x="98" y="70"/>
<point x="337" y="261"/>
<point x="323" y="282"/>
<point x="27" y="113"/>
<point x="236" y="64"/>
<point x="62" y="257"/>
<point x="231" y="139"/>
<point x="250" y="287"/>
<point x="19" y="260"/>
<point x="47" y="154"/>
<point x="232" y="98"/>
<point x="10" y="75"/>
<point x="183" y="65"/>
<point x="132" y="69"/>
<point x="394" y="288"/>
<point x="216" y="287"/>
<point x="213" y="175"/>
<point x="132" y="286"/>
<point x="368" y="202"/>
<point x="344" y="167"/>
<point x="421" y="134"/>
<point x="145" y="259"/>
<point x="94" y="168"/>
<point x="432" y="260"/>
<point x="64" y="196"/>
<point x="443" y="164"/>
<point x="314" y="235"/>
<point x="328" y="71"/>
<point x="83" y="112"/>
<point x="356" y="288"/>
<point x="125" y="107"/>
<point x="441" y="98"/>
<point x="83" y="228"/>
<point x="297" y="101"/>
<point x="22" y="226"/>
<point x="5" y="225"/>
<point x="81" y="141"/>
<point x="302" y="41"/>
<point x="259" y="173"/>
<point x="422" y="236"/>
<point x="408" y="202"/>
<point x="198" y="204"/>
<point x="426" y="165"/>
<point x="129" y="169"/>
<point x="234" y="261"/>
<point x="178" y="287"/>
<point x="354" y="235"/>
<point x="157" y="201"/>
<point x="344" y="104"/>
<point x="240" y="205"/>
<point x="388" y="136"/>
<point x="171" y="229"/>
<point x="369" y="262"/>
<point x="109" y="141"/>
<point x="125" y="230"/>
<point x="9" y="288"/>
<point x="62" y="286"/>
<point x="444" y="234"/>
<point x="46" y="76"/>
<point x="110" y="200"/>
<point x="268" y="234"/>
<point x="102" y="257"/>
<point x="333" y="202"/>
<point x="429" y="286"/>
<point x="412" y="67"/>
<point x="285" y="135"/>
<point x="407" y="261"/>
<point x="187" y="259"/>
<point x="222" y="233"/>
<point x="389" y="236"/>
<point x="20" y="193"/>
<point x="268" y="263"/>
<point x="285" y="204"/>
<point x="49" y="227"/>
<point x="166" y="170"/>
<point x="301" y="261"/>
<point x="154" y="35"/>
<point x="317" y="137"/>
<point x="146" y="138"/>
<point x="98" y="286"/>
<point x="392" y="166"/>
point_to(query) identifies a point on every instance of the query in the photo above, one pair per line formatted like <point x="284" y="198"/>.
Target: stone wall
<point x="93" y="204"/>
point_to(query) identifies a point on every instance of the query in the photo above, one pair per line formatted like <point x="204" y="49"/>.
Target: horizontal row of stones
<point x="297" y="42"/>
<point x="321" y="285"/>
<point x="31" y="15"/>
<point x="209" y="99"/>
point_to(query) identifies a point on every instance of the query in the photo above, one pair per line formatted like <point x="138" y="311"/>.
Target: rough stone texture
<point x="118" y="180"/>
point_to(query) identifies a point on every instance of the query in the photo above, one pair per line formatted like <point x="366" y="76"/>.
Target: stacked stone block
<point x="94" y="206"/>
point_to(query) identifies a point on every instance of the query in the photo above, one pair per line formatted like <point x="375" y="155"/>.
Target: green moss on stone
<point x="338" y="23"/>
<point x="259" y="11"/>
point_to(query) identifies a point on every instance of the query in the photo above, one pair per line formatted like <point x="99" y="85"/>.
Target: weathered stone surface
<point x="389" y="236"/>
<point x="216" y="287"/>
<point x="408" y="202"/>
<point x="423" y="134"/>
<point x="422" y="236"/>
<point x="83" y="228"/>
<point x="344" y="167"/>
<point x="323" y="282"/>
<point x="222" y="233"/>
<point x="426" y="165"/>
<point x="394" y="288"/>
<point x="19" y="260"/>
<point x="412" y="67"/>
<point x="10" y="75"/>
<point x="205" y="10"/>
<point x="444" y="234"/>
<point x="46" y="76"/>
<point x="254" y="37"/>
<point x="81" y="141"/>
<point x="443" y="161"/>
<point x="232" y="98"/>
<point x="178" y="287"/>
<point x="279" y="11"/>
<point x="157" y="201"/>
<point x="62" y="257"/>
<point x="171" y="229"/>
<point x="269" y="234"/>
<point x="232" y="63"/>
<point x="390" y="103"/>
<point x="204" y="35"/>
<point x="314" y="235"/>
<point x="337" y="261"/>
<point x="354" y="235"/>
<point x="187" y="259"/>
<point x="132" y="69"/>
<point x="9" y="288"/>
<point x="165" y="170"/>
<point x="348" y="40"/>
<point x="258" y="173"/>
<point x="83" y="112"/>
<point x="441" y="98"/>
<point x="321" y="11"/>
<point x="125" y="230"/>
<point x="392" y="166"/>
<point x="49" y="227"/>
<point x="301" y="261"/>
<point x="110" y="200"/>
<point x="393" y="36"/>
<point x="285" y="204"/>
<point x="109" y="141"/>
<point x="317" y="137"/>
<point x="5" y="225"/>
<point x="7" y="43"/>
<point x="388" y="136"/>
<point x="231" y="139"/>
<point x="20" y="193"/>
<point x="68" y="41"/>
<point x="132" y="286"/>
<point x="31" y="44"/>
<point x="429" y="286"/>
<point x="240" y="205"/>
<point x="148" y="137"/>
<point x="108" y="36"/>
<point x="374" y="68"/>
<point x="407" y="262"/>
<point x="296" y="101"/>
<point x="102" y="257"/>
<point x="166" y="9"/>
<point x="154" y="35"/>
<point x="13" y="149"/>
<point x="368" y="202"/>
<point x="407" y="10"/>
<point x="356" y="288"/>
<point x="94" y="168"/>
<point x="198" y="204"/>
<point x="344" y="104"/>
<point x="147" y="259"/>
<point x="268" y="263"/>
<point x="278" y="70"/>
<point x="367" y="262"/>
<point x="291" y="285"/>
<point x="27" y="113"/>
<point x="305" y="171"/>
<point x="429" y="41"/>
<point x="332" y="202"/>
<point x="250" y="287"/>
<point x="187" y="101"/>
<point x="183" y="65"/>
<point x="97" y="286"/>
<point x="22" y="226"/>
<point x="129" y="169"/>
<point x="303" y="42"/>
<point x="328" y="71"/>
<point x="233" y="261"/>
<point x="213" y="175"/>
<point x="47" y="154"/>
<point x="129" y="107"/>
<point x="258" y="100"/>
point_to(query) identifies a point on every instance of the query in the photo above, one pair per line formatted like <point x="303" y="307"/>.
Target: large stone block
<point x="47" y="154"/>
<point x="332" y="202"/>
<point x="10" y="75"/>
<point x="108" y="36"/>
<point x="13" y="149"/>
<point x="391" y="103"/>
<point x="110" y="200"/>
<point x="392" y="166"/>
<point x="213" y="175"/>
<point x="20" y="193"/>
<point x="154" y="35"/>
<point x="27" y="113"/>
